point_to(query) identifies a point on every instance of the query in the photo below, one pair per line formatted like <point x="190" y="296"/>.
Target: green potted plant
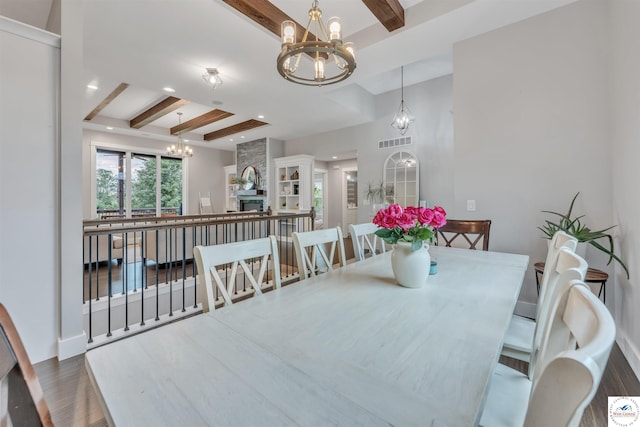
<point x="575" y="227"/>
<point x="238" y="180"/>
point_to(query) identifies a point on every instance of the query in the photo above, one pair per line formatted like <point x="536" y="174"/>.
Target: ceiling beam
<point x="268" y="16"/>
<point x="198" y="122"/>
<point x="162" y="108"/>
<point x="240" y="127"/>
<point x="390" y="13"/>
<point x="117" y="91"/>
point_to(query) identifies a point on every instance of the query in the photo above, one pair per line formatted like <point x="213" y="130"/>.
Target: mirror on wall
<point x="250" y="177"/>
<point x="401" y="179"/>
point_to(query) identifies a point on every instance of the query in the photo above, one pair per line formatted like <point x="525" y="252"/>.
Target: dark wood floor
<point x="73" y="401"/>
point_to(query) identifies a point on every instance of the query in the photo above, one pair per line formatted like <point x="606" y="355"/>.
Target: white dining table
<point x="350" y="347"/>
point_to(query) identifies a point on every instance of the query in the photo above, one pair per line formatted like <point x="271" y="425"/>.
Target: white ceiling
<point x="151" y="44"/>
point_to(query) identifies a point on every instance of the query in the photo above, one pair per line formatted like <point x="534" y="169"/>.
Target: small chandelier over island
<point x="331" y="60"/>
<point x="179" y="148"/>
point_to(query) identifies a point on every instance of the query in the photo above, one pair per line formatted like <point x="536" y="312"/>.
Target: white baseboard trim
<point x="526" y="309"/>
<point x="72" y="346"/>
<point x="631" y="353"/>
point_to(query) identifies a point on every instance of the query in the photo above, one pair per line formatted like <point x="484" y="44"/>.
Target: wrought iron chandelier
<point x="403" y="117"/>
<point x="331" y="60"/>
<point x="179" y="148"/>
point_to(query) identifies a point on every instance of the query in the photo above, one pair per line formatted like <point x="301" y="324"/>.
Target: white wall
<point x="206" y="168"/>
<point x="29" y="85"/>
<point x="530" y="108"/>
<point x="625" y="132"/>
<point x="432" y="134"/>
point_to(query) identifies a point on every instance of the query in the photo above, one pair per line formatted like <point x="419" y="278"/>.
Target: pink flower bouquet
<point x="410" y="224"/>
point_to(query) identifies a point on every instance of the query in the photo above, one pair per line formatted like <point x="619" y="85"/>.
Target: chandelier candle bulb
<point x="319" y="66"/>
<point x="335" y="28"/>
<point x="288" y="31"/>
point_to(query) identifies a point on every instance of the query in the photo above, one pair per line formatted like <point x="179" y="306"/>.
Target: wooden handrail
<point x="120" y="226"/>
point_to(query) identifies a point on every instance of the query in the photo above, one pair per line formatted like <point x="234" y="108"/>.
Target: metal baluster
<point x="184" y="265"/>
<point x="195" y="276"/>
<point x="109" y="286"/>
<point x="125" y="270"/>
<point x="135" y="263"/>
<point x="97" y="268"/>
<point x="90" y="308"/>
<point x="157" y="278"/>
<point x="170" y="281"/>
<point x="145" y="283"/>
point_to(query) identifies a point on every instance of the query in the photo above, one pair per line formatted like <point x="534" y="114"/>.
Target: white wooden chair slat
<point x="363" y="237"/>
<point x="316" y="240"/>
<point x="259" y="250"/>
<point x="249" y="275"/>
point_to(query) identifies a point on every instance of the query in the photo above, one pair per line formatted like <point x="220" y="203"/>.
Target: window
<point x="154" y="184"/>
<point x="171" y="190"/>
<point x="110" y="183"/>
<point x="143" y="185"/>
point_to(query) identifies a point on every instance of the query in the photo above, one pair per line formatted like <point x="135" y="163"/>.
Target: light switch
<point x="471" y="205"/>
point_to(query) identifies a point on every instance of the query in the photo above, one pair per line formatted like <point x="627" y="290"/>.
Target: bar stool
<point x="593" y="276"/>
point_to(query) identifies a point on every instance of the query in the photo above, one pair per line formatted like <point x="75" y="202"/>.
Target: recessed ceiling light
<point x="168" y="89"/>
<point x="94" y="87"/>
<point x="185" y="140"/>
<point x="109" y="128"/>
<point x="260" y="116"/>
<point x="334" y="157"/>
<point x="241" y="136"/>
<point x="231" y="139"/>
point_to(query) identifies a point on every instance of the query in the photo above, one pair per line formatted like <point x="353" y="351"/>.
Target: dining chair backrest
<point x="21" y="398"/>
<point x="365" y="242"/>
<point x="205" y="204"/>
<point x="573" y="357"/>
<point x="311" y="250"/>
<point x="468" y="234"/>
<point x="559" y="240"/>
<point x="566" y="266"/>
<point x="257" y="252"/>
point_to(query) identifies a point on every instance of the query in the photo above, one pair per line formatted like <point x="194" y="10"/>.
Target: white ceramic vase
<point x="410" y="268"/>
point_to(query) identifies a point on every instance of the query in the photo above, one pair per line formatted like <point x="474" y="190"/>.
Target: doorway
<point x="349" y="199"/>
<point x="320" y="196"/>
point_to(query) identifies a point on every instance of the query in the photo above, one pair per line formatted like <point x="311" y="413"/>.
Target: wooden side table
<point x="593" y="276"/>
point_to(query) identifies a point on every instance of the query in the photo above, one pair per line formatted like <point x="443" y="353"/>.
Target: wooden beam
<point x="198" y="122"/>
<point x="162" y="108"/>
<point x="117" y="91"/>
<point x="268" y="16"/>
<point x="240" y="127"/>
<point x="390" y="13"/>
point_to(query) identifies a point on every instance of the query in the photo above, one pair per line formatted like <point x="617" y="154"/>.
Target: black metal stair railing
<point x="140" y="272"/>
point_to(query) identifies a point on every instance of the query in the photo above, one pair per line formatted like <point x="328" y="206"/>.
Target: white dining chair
<point x="573" y="357"/>
<point x="365" y="242"/>
<point x="311" y="254"/>
<point x="518" y="340"/>
<point x="258" y="251"/>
